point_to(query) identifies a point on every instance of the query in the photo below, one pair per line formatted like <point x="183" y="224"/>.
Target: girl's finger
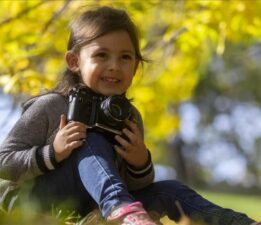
<point x="122" y="142"/>
<point x="133" y="126"/>
<point x="76" y="128"/>
<point x="76" y="124"/>
<point x="62" y="122"/>
<point x="128" y="133"/>
<point x="75" y="144"/>
<point x="120" y="151"/>
<point x="76" y="136"/>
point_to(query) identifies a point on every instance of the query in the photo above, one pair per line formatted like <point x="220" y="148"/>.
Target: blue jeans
<point x="90" y="178"/>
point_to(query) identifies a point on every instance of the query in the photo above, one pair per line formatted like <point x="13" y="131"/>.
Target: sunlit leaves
<point x="180" y="38"/>
<point x="28" y="49"/>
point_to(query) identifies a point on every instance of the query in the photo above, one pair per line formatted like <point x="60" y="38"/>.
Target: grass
<point x="248" y="204"/>
<point x="251" y="205"/>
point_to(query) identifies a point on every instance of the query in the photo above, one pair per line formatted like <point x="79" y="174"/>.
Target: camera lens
<point x="116" y="109"/>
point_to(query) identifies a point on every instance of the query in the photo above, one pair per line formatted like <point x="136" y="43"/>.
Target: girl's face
<point x="108" y="63"/>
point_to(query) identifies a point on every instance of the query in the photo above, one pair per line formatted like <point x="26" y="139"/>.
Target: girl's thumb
<point x="62" y="121"/>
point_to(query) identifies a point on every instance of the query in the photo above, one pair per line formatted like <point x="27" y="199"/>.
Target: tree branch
<point x="56" y="15"/>
<point x="20" y="14"/>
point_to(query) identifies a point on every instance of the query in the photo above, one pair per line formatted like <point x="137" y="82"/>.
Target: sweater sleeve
<point x="25" y="153"/>
<point x="138" y="179"/>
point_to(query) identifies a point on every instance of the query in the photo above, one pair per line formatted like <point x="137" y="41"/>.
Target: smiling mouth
<point x="110" y="79"/>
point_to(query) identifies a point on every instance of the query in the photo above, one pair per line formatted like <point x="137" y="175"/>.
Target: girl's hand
<point x="69" y="137"/>
<point x="133" y="151"/>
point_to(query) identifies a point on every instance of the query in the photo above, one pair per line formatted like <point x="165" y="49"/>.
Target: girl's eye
<point x="126" y="57"/>
<point x="101" y="55"/>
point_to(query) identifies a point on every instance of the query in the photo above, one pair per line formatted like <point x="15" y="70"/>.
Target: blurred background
<point x="199" y="94"/>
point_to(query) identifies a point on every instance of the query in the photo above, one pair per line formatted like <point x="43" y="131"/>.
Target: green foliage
<point x="180" y="38"/>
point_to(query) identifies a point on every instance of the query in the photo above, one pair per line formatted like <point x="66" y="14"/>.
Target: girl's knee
<point x="172" y="188"/>
<point x="97" y="142"/>
<point x="168" y="185"/>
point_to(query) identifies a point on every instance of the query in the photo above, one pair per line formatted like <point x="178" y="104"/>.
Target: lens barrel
<point x="116" y="109"/>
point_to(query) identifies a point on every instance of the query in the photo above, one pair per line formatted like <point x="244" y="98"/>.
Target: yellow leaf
<point x="11" y="83"/>
<point x="21" y="64"/>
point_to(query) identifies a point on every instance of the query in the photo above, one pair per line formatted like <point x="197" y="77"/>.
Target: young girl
<point x="69" y="162"/>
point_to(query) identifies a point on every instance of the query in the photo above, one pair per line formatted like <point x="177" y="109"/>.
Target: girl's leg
<point x="99" y="175"/>
<point x="165" y="197"/>
<point x="63" y="187"/>
<point x="89" y="177"/>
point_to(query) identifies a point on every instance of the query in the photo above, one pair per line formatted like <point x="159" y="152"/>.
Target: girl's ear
<point x="72" y="61"/>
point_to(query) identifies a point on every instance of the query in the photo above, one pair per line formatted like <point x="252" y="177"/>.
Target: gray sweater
<point x="27" y="152"/>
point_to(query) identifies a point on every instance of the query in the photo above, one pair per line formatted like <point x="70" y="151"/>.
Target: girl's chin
<point x="110" y="92"/>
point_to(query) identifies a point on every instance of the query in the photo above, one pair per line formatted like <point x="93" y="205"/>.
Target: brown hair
<point x="90" y="25"/>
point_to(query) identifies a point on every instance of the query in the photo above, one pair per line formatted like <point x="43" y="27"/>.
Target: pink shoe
<point x="131" y="214"/>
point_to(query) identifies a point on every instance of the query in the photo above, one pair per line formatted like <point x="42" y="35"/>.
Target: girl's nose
<point x="114" y="65"/>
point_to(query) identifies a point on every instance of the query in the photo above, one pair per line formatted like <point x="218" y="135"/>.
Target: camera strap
<point x="94" y="108"/>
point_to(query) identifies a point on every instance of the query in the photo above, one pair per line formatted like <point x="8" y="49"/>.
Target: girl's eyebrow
<point x="122" y="51"/>
<point x="128" y="51"/>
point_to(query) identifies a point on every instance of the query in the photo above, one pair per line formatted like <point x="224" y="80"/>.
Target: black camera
<point x="100" y="113"/>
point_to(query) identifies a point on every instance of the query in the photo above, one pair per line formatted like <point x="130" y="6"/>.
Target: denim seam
<point x="104" y="171"/>
<point x="106" y="210"/>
